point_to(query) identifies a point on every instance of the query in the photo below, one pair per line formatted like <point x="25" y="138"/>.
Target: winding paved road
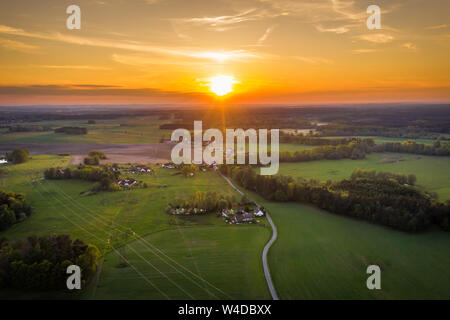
<point x="272" y="290"/>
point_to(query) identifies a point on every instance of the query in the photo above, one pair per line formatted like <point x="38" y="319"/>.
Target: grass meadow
<point x="319" y="255"/>
<point x="203" y="247"/>
<point x="431" y="171"/>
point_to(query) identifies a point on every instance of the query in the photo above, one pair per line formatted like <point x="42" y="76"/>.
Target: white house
<point x="259" y="213"/>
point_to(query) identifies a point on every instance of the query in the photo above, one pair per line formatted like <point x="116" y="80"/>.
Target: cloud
<point x="247" y="15"/>
<point x="409" y="46"/>
<point x="313" y="60"/>
<point x="441" y="26"/>
<point x="265" y="35"/>
<point x="91" y="90"/>
<point x="216" y="56"/>
<point x="338" y="30"/>
<point x="377" y="37"/>
<point x="363" y="50"/>
<point x="17" y="46"/>
<point x="75" y="67"/>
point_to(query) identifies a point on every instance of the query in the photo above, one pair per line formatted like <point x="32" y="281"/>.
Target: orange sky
<point x="165" y="51"/>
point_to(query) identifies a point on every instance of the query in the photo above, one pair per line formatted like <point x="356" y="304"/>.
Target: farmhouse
<point x="141" y="169"/>
<point x="126" y="183"/>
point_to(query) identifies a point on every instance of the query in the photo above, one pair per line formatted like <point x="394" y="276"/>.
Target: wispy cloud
<point x="266" y="34"/>
<point x="338" y="30"/>
<point x="313" y="60"/>
<point x="377" y="37"/>
<point x="364" y="50"/>
<point x="74" y="67"/>
<point x="216" y="56"/>
<point x="17" y="46"/>
<point x="440" y="26"/>
<point x="247" y="15"/>
<point x="409" y="46"/>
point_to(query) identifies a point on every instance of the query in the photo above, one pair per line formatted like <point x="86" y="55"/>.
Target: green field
<point x="123" y="130"/>
<point x="227" y="257"/>
<point x="319" y="255"/>
<point x="431" y="172"/>
<point x="387" y="139"/>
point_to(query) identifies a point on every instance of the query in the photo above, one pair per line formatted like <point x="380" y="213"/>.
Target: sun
<point x="221" y="85"/>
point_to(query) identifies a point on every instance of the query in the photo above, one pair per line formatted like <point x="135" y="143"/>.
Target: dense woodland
<point x="13" y="209"/>
<point x="41" y="262"/>
<point x="377" y="198"/>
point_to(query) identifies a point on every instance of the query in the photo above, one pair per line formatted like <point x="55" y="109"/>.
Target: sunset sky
<point x="166" y="51"/>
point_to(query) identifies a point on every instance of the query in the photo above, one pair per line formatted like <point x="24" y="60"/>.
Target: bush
<point x="100" y="154"/>
<point x="92" y="161"/>
<point x="19" y="155"/>
<point x="13" y="208"/>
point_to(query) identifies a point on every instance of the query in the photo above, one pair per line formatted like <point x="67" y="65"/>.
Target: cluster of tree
<point x="188" y="169"/>
<point x="105" y="177"/>
<point x="202" y="203"/>
<point x="94" y="157"/>
<point x="41" y="262"/>
<point x="409" y="132"/>
<point x="19" y="155"/>
<point x="315" y="141"/>
<point x="72" y="130"/>
<point x="352" y="150"/>
<point x="13" y="209"/>
<point x="438" y="148"/>
<point x="382" y="175"/>
<point x="100" y="154"/>
<point x="28" y="128"/>
<point x="384" y="201"/>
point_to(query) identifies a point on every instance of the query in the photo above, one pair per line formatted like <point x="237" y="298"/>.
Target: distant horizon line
<point x="193" y="105"/>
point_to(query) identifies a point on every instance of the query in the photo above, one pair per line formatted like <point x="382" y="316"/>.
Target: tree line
<point x="438" y="148"/>
<point x="378" y="199"/>
<point x="105" y="177"/>
<point x="352" y="150"/>
<point x="72" y="130"/>
<point x="315" y="141"/>
<point x="13" y="209"/>
<point x="408" y="132"/>
<point x="383" y="175"/>
<point x="339" y="148"/>
<point x="41" y="262"/>
<point x="201" y="203"/>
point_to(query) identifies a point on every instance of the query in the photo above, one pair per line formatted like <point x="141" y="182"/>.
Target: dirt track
<point x="119" y="153"/>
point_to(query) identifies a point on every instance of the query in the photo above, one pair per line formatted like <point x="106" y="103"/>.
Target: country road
<point x="272" y="290"/>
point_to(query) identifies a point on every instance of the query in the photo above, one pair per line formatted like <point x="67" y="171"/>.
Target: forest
<point x="378" y="198"/>
<point x="41" y="262"/>
<point x="13" y="209"/>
